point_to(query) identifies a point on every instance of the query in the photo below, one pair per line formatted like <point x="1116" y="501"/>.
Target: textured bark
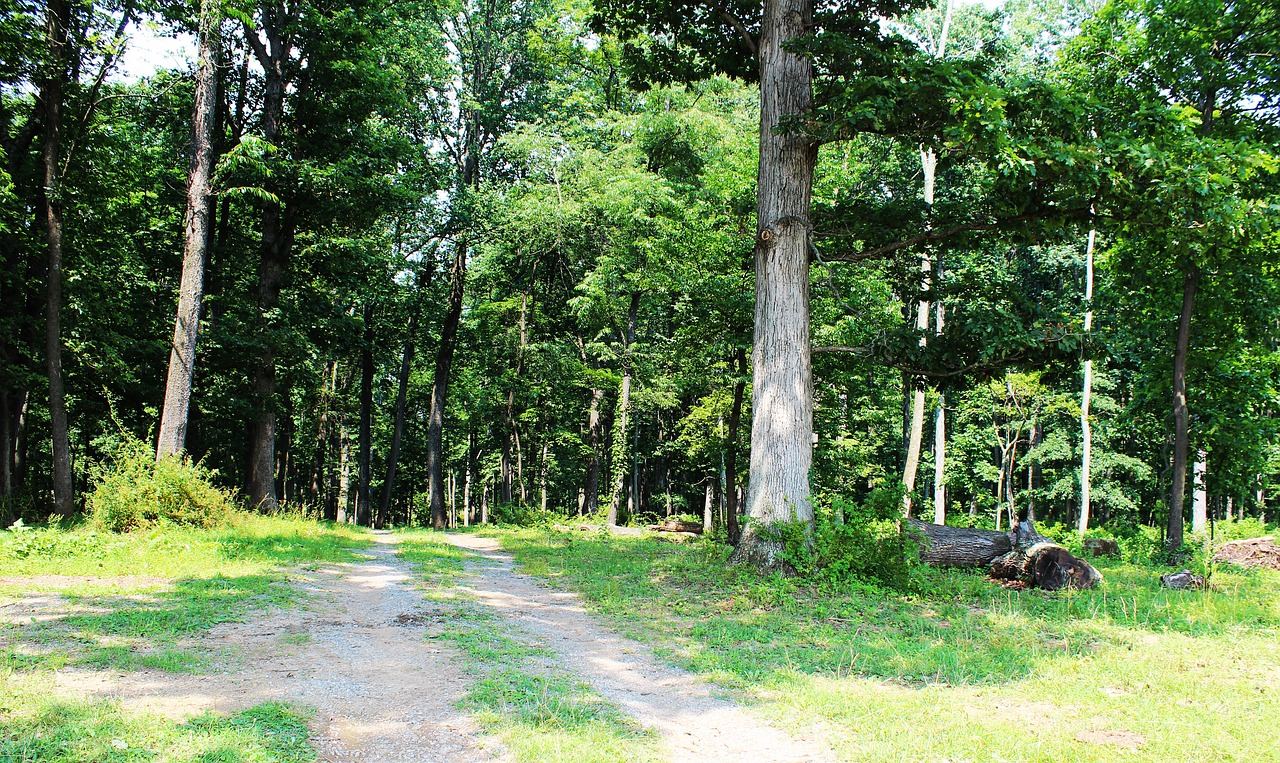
<point x="619" y="492"/>
<point x="731" y="452"/>
<point x="960" y="546"/>
<point x="595" y="437"/>
<point x="939" y="463"/>
<point x="57" y="24"/>
<point x="196" y="233"/>
<point x="440" y="387"/>
<point x="1174" y="530"/>
<point x="363" y="498"/>
<point x="1037" y="561"/>
<point x="782" y="388"/>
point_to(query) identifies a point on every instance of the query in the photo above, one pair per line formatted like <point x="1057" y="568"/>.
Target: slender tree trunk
<point x="1199" y="495"/>
<point x="440" y="388"/>
<point x="782" y="389"/>
<point x="466" y="481"/>
<point x="276" y="242"/>
<point x="363" y="497"/>
<point x="731" y="451"/>
<point x="939" y="463"/>
<point x="595" y="436"/>
<point x="619" y="492"/>
<point x="542" y="475"/>
<point x="708" y="506"/>
<point x="321" y="457"/>
<point x="1174" y="534"/>
<point x="196" y="232"/>
<point x="929" y="163"/>
<point x="58" y="22"/>
<point x="342" y="500"/>
<point x="402" y="392"/>
<point x="1086" y="394"/>
<point x="6" y="448"/>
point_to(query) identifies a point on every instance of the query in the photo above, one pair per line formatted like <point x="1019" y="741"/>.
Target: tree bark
<point x="440" y="387"/>
<point x="1086" y="394"/>
<point x="960" y="546"/>
<point x="196" y="233"/>
<point x="1174" y="533"/>
<point x="782" y="388"/>
<point x="1199" y="496"/>
<point x="57" y="26"/>
<point x="1022" y="554"/>
<point x="276" y="243"/>
<point x="619" y="492"/>
<point x="363" y="498"/>
<point x="731" y="451"/>
<point x="595" y="436"/>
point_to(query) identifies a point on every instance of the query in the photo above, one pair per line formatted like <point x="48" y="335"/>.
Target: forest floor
<point x="287" y="641"/>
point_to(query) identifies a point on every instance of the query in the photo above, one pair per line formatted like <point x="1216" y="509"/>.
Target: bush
<point x="856" y="542"/>
<point x="134" y="491"/>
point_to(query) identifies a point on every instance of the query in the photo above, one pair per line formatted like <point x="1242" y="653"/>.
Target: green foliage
<point x="135" y="491"/>
<point x="866" y="541"/>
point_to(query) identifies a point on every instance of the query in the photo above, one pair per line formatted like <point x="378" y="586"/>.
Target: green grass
<point x="136" y="601"/>
<point x="34" y="727"/>
<point x="535" y="707"/>
<point x="129" y="601"/>
<point x="975" y="672"/>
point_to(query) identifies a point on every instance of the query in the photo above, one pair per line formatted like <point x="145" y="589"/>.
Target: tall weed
<point x="135" y="491"/>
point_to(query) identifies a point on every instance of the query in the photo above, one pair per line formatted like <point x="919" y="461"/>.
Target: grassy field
<point x="521" y="695"/>
<point x="968" y="671"/>
<point x="125" y="602"/>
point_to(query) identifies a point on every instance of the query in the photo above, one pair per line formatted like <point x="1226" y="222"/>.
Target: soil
<point x="696" y="725"/>
<point x="359" y="653"/>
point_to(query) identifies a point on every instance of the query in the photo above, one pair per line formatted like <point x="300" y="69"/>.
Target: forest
<point x="450" y="262"/>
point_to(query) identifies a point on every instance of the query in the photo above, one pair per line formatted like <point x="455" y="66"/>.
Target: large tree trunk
<point x="619" y="492"/>
<point x="440" y="387"/>
<point x="731" y="451"/>
<point x="1174" y="534"/>
<point x="782" y="388"/>
<point x="58" y="22"/>
<point x="960" y="546"/>
<point x="1086" y="393"/>
<point x="196" y="230"/>
<point x="363" y="498"/>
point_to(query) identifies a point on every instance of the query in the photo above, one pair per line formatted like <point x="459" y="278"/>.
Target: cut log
<point x="1038" y="561"/>
<point x="959" y="546"/>
<point x="1021" y="555"/>
<point x="1254" y="552"/>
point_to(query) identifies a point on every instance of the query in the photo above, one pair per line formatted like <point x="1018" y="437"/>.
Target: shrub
<point x="134" y="491"/>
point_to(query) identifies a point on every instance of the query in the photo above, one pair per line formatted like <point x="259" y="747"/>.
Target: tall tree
<point x="196" y="233"/>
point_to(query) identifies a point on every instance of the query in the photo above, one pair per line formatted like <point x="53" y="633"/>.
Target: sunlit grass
<point x="534" y="706"/>
<point x="973" y="671"/>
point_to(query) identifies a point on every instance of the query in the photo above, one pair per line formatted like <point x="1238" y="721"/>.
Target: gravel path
<point x="696" y="726"/>
<point x="382" y="691"/>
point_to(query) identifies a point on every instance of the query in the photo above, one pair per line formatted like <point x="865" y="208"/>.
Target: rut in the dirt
<point x="698" y="727"/>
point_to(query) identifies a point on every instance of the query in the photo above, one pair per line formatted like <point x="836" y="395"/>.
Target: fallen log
<point x="1022" y="555"/>
<point x="672" y="525"/>
<point x="959" y="546"/>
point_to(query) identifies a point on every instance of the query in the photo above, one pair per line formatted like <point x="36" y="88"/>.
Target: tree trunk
<point x="619" y="492"/>
<point x="960" y="546"/>
<point x="58" y="22"/>
<point x="1199" y="496"/>
<point x="276" y="242"/>
<point x="440" y="387"/>
<point x="782" y="389"/>
<point x="1174" y="534"/>
<point x="402" y="392"/>
<point x="1086" y="394"/>
<point x="342" y="501"/>
<point x="731" y="451"/>
<point x="708" y="504"/>
<point x="595" y="436"/>
<point x="363" y="498"/>
<point x="321" y="455"/>
<point x="939" y="461"/>
<point x="196" y="231"/>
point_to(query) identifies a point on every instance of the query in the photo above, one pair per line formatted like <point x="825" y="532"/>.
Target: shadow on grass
<point x="132" y="632"/>
<point x="741" y="629"/>
<point x="34" y="728"/>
